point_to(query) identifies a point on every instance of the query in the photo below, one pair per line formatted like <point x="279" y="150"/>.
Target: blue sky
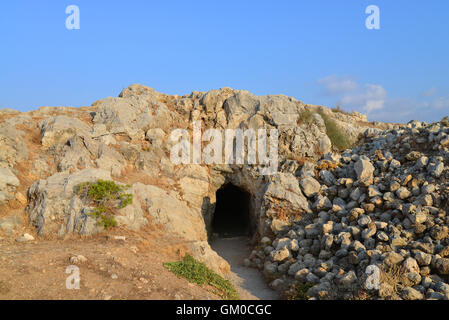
<point x="320" y="52"/>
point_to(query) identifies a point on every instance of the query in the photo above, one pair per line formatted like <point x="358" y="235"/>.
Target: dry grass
<point x="326" y="165"/>
<point x="306" y="117"/>
<point x="284" y="213"/>
<point x="338" y="138"/>
<point x="298" y="292"/>
<point x="393" y="275"/>
<point x="338" y="109"/>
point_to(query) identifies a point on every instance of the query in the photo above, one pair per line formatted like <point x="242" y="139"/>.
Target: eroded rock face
<point x="8" y="184"/>
<point x="12" y="146"/>
<point x="54" y="208"/>
<point x="165" y="208"/>
<point x="284" y="201"/>
<point x="128" y="139"/>
<point x="59" y="129"/>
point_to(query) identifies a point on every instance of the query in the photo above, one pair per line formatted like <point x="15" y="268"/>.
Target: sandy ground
<point x="248" y="281"/>
<point x="115" y="269"/>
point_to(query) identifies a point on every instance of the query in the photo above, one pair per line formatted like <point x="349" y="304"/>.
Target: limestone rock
<point x="53" y="200"/>
<point x="202" y="252"/>
<point x="310" y="186"/>
<point x="25" y="238"/>
<point x="60" y="129"/>
<point x="409" y="293"/>
<point x="364" y="170"/>
<point x="8" y="184"/>
<point x="13" y="148"/>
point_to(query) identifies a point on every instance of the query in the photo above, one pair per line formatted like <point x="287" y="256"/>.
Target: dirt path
<point x="248" y="281"/>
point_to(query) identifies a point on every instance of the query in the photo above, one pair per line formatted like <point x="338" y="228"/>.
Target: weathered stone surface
<point x="9" y="224"/>
<point x="8" y="184"/>
<point x="13" y="148"/>
<point x="310" y="186"/>
<point x="60" y="129"/>
<point x="280" y="255"/>
<point x="442" y="265"/>
<point x="78" y="259"/>
<point x="166" y="210"/>
<point x="411" y="265"/>
<point x="202" y="251"/>
<point x="53" y="200"/>
<point x="423" y="258"/>
<point x="133" y="114"/>
<point x="409" y="293"/>
<point x="283" y="191"/>
<point x="25" y="238"/>
<point x="393" y="258"/>
<point x="364" y="170"/>
<point x="403" y="193"/>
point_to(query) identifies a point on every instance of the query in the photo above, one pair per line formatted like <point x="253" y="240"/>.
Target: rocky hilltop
<point x="348" y="195"/>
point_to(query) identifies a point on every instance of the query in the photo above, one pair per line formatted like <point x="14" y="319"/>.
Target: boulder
<point x="54" y="207"/>
<point x="310" y="186"/>
<point x="57" y="130"/>
<point x="364" y="170"/>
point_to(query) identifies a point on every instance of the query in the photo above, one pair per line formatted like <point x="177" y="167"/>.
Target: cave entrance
<point x="232" y="212"/>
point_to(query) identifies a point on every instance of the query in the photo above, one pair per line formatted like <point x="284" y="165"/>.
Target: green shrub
<point x="336" y="135"/>
<point x="197" y="272"/>
<point x="104" y="217"/>
<point x="106" y="197"/>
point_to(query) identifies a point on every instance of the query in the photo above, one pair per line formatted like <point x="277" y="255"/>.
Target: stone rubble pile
<point x="382" y="206"/>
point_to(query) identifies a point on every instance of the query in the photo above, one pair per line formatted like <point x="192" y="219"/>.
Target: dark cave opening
<point x="232" y="212"/>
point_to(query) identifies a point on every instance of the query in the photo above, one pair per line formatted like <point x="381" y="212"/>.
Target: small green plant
<point x="336" y="135"/>
<point x="197" y="272"/>
<point x="106" y="197"/>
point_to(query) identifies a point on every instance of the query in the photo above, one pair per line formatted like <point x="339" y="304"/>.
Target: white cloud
<point x="429" y="92"/>
<point x="351" y="95"/>
<point x="372" y="99"/>
<point x="401" y="111"/>
<point x="334" y="85"/>
<point x="441" y="103"/>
